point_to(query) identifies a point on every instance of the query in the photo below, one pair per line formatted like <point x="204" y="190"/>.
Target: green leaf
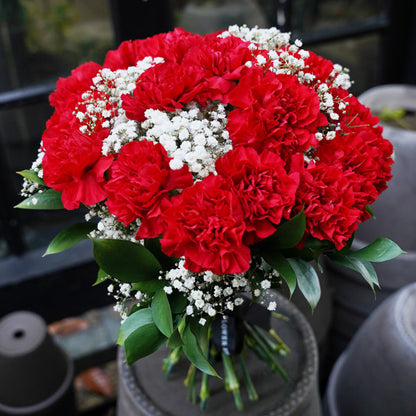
<point x="126" y="261"/>
<point x="133" y="322"/>
<point x="177" y="302"/>
<point x="194" y="353"/>
<point x="280" y="264"/>
<point x="49" y="199"/>
<point x="175" y="340"/>
<point x="381" y="249"/>
<point x="288" y="234"/>
<point x="162" y="315"/>
<point x="148" y="286"/>
<point x="369" y="210"/>
<point x="153" y="245"/>
<point x="361" y="266"/>
<point x="142" y="342"/>
<point x="308" y="280"/>
<point x="69" y="237"/>
<point x="32" y="176"/>
<point x="102" y="276"/>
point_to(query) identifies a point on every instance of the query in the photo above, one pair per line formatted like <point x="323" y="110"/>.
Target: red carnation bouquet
<point x="210" y="167"/>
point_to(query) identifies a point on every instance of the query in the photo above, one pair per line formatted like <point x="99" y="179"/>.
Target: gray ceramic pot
<point x="143" y="391"/>
<point x="36" y="375"/>
<point x="376" y="374"/>
<point x="395" y="218"/>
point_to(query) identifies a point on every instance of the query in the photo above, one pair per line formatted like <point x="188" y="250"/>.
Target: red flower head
<point x="222" y="61"/>
<point x="274" y="111"/>
<point x="69" y="90"/>
<point x="73" y="163"/>
<point x="329" y="203"/>
<point x="139" y="183"/>
<point x="165" y="86"/>
<point x="266" y="191"/>
<point x="365" y="157"/>
<point x="206" y="225"/>
<point x="170" y="46"/>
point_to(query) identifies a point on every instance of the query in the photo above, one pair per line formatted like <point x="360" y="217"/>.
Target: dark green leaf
<point x="201" y="333"/>
<point x="287" y="234"/>
<point x="69" y="237"/>
<point x="102" y="276"/>
<point x="49" y="199"/>
<point x="369" y="210"/>
<point x="381" y="249"/>
<point x="136" y="320"/>
<point x="194" y="353"/>
<point x="31" y="175"/>
<point x="148" y="286"/>
<point x="363" y="267"/>
<point x="175" y="340"/>
<point x="162" y="315"/>
<point x="126" y="261"/>
<point x="153" y="245"/>
<point x="280" y="264"/>
<point x="308" y="281"/>
<point x="142" y="342"/>
<point x="177" y="302"/>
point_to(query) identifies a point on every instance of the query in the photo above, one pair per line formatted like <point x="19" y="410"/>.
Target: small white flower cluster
<point x="125" y="296"/>
<point x="122" y="81"/>
<point x="123" y="131"/>
<point x="285" y="62"/>
<point x="109" y="227"/>
<point x="341" y="77"/>
<point x="195" y="136"/>
<point x="103" y="101"/>
<point x="207" y="293"/>
<point x="271" y="38"/>
<point x="30" y="187"/>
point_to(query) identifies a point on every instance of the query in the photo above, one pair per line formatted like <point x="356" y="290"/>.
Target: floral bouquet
<point x="212" y="169"/>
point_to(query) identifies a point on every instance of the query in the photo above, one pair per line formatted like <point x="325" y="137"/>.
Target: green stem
<point x="275" y="367"/>
<point x="204" y="392"/>
<point x="190" y="383"/>
<point x="280" y="316"/>
<point x="231" y="381"/>
<point x="282" y="344"/>
<point x="252" y="393"/>
<point x="171" y="360"/>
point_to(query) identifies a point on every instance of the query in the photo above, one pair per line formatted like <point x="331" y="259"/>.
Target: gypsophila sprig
<point x="213" y="169"/>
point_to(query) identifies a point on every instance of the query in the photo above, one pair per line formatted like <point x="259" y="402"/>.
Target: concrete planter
<point x="376" y="374"/>
<point x="36" y="375"/>
<point x="143" y="391"/>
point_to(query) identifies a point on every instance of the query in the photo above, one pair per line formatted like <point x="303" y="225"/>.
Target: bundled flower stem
<point x="210" y="168"/>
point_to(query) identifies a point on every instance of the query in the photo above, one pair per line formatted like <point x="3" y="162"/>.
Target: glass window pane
<point x="40" y="41"/>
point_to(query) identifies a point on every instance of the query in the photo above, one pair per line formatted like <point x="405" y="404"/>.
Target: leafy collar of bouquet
<point x="210" y="167"/>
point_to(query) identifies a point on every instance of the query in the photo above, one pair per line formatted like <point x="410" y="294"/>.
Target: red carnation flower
<point x="222" y="61"/>
<point x="139" y="183"/>
<point x="365" y="157"/>
<point x="69" y="90"/>
<point x="266" y="191"/>
<point x="206" y="225"/>
<point x="73" y="163"/>
<point x="274" y="111"/>
<point x="166" y="86"/>
<point x="329" y="203"/>
<point x="170" y="46"/>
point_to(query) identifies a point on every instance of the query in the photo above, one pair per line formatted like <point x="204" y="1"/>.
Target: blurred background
<point x="42" y="40"/>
